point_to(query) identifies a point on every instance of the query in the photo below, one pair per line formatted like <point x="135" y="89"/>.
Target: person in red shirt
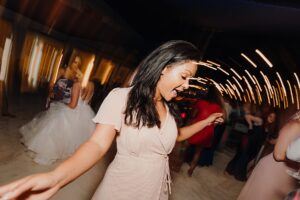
<point x="210" y="103"/>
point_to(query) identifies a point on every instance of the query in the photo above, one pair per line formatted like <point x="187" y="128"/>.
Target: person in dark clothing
<point x="249" y="144"/>
<point x="210" y="103"/>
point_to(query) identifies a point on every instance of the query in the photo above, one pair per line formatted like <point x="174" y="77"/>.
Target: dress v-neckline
<point x="163" y="124"/>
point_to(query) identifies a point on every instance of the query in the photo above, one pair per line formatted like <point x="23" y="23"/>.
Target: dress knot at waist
<point x="167" y="175"/>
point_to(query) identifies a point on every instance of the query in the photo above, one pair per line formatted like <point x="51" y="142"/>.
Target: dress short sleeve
<point x="111" y="109"/>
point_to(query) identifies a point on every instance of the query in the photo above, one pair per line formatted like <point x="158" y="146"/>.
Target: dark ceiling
<point x="222" y="29"/>
<point x="160" y="20"/>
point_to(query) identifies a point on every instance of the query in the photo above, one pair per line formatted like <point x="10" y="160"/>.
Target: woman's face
<point x="75" y="64"/>
<point x="174" y="79"/>
<point x="271" y="118"/>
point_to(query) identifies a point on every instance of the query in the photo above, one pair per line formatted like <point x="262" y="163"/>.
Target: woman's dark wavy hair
<point x="273" y="128"/>
<point x="140" y="109"/>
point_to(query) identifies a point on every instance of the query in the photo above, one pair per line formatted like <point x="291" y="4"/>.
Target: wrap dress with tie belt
<point x="140" y="169"/>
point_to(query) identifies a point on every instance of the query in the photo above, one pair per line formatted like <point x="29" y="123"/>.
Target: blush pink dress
<point x="140" y="169"/>
<point x="268" y="181"/>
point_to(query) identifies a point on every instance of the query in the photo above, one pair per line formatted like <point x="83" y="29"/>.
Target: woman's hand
<point x="45" y="185"/>
<point x="188" y="131"/>
<point x="38" y="187"/>
<point x="215" y="118"/>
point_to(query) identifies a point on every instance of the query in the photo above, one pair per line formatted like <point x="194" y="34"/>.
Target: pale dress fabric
<point x="293" y="150"/>
<point x="268" y="181"/>
<point x="57" y="132"/>
<point x="140" y="169"/>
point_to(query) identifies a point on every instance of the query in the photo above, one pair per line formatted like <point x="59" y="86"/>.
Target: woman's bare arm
<point x="252" y="119"/>
<point x="74" y="95"/>
<point x="87" y="155"/>
<point x="43" y="186"/>
<point x="188" y="131"/>
<point x="287" y="134"/>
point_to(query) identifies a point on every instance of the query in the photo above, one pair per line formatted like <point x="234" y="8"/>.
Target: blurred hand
<point x="34" y="187"/>
<point x="215" y="118"/>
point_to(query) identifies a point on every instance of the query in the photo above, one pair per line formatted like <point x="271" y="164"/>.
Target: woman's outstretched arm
<point x="188" y="131"/>
<point x="45" y="185"/>
<point x="74" y="95"/>
<point x="287" y="134"/>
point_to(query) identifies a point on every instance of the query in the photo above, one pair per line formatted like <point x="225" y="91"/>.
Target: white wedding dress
<point x="56" y="133"/>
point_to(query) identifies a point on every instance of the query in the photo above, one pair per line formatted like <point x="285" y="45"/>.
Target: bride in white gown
<point x="56" y="133"/>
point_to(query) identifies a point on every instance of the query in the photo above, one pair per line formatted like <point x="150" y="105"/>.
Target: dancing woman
<point x="57" y="132"/>
<point x="142" y="120"/>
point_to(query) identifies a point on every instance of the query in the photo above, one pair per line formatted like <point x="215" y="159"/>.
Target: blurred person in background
<point x="220" y="135"/>
<point x="270" y="134"/>
<point x="204" y="107"/>
<point x="269" y="179"/>
<point x="57" y="132"/>
<point x="249" y="130"/>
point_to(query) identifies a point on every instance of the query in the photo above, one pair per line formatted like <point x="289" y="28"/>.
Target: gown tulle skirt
<point x="56" y="133"/>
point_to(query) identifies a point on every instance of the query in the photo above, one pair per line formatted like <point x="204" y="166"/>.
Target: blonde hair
<point x="78" y="75"/>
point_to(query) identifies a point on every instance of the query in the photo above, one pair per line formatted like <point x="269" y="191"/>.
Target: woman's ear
<point x="163" y="71"/>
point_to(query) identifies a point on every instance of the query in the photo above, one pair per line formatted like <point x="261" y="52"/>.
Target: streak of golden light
<point x="249" y="60"/>
<point x="236" y="73"/>
<point x="264" y="58"/>
<point x="291" y="91"/>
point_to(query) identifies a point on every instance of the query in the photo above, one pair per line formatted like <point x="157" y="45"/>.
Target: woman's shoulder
<point x="120" y="91"/>
<point x="119" y="94"/>
<point x="116" y="99"/>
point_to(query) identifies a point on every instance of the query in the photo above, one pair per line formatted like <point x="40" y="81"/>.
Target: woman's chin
<point x="168" y="98"/>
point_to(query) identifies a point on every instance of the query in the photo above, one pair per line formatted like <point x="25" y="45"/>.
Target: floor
<point x="207" y="183"/>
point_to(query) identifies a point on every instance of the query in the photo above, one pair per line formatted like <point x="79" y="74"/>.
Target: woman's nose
<point x="186" y="84"/>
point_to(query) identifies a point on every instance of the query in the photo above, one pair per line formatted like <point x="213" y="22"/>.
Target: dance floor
<point x="207" y="183"/>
